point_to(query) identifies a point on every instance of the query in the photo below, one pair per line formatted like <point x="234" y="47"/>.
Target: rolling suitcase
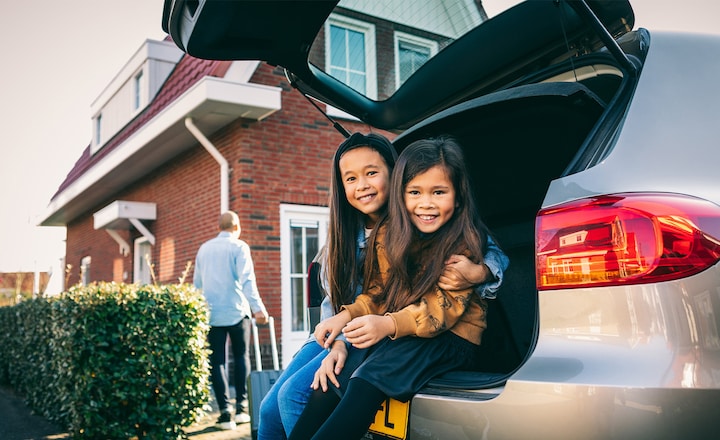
<point x="260" y="381"/>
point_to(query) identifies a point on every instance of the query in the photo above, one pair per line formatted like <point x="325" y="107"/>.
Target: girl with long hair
<point x="368" y="160"/>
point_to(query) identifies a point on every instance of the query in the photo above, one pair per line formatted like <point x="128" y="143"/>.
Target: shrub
<point x="117" y="360"/>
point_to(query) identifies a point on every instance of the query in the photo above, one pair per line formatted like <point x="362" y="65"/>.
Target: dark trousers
<point x="240" y="342"/>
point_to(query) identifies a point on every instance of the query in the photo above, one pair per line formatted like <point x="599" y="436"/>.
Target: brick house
<point x="176" y="140"/>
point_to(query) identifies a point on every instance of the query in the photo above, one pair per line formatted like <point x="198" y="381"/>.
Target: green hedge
<point x="110" y="361"/>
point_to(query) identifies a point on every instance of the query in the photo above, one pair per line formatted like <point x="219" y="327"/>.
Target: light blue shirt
<point x="225" y="274"/>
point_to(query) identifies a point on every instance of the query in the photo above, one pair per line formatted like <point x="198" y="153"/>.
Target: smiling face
<point x="366" y="179"/>
<point x="430" y="199"/>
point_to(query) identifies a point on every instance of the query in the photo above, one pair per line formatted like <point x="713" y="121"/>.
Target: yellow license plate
<point x="391" y="419"/>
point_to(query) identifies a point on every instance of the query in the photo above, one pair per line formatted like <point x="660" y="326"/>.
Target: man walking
<point x="225" y="274"/>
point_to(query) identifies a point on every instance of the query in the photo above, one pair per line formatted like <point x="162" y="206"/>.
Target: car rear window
<point x="374" y="47"/>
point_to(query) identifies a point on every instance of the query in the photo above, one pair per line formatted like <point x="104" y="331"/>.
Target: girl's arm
<point x="435" y="313"/>
<point x="486" y="277"/>
<point x="330" y="367"/>
<point x="366" y="331"/>
<point x="461" y="273"/>
<point x="497" y="262"/>
<point x="329" y="326"/>
<point x="327" y="330"/>
<point x="363" y="307"/>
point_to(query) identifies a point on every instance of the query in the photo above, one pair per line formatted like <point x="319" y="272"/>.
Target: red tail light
<point x="621" y="239"/>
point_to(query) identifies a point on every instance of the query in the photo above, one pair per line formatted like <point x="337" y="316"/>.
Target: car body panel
<point x="613" y="362"/>
<point x="541" y="411"/>
<point x="662" y="114"/>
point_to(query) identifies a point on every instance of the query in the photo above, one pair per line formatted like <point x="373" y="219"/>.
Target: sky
<point x="58" y="56"/>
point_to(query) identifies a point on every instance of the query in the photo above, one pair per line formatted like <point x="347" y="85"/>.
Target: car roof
<point x="490" y="55"/>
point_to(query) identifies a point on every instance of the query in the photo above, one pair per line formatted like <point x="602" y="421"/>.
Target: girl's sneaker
<point x="225" y="422"/>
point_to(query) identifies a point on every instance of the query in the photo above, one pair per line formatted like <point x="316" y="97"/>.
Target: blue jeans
<point x="287" y="398"/>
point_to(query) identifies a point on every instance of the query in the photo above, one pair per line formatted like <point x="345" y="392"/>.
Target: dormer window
<point x="98" y="129"/>
<point x="132" y="89"/>
<point x="137" y="90"/>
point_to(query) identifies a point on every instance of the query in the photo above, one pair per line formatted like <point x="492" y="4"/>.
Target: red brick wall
<point x="184" y="191"/>
<point x="108" y="264"/>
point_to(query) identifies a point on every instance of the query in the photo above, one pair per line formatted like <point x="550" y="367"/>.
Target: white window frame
<point x="141" y="268"/>
<point x="368" y="30"/>
<point x="412" y="39"/>
<point x="292" y="214"/>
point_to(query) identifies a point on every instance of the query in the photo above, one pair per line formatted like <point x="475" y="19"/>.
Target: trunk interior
<point x="528" y="134"/>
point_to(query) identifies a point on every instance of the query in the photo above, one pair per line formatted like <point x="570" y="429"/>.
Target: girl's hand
<point x="326" y="331"/>
<point x="366" y="331"/>
<point x="460" y="273"/>
<point x="330" y="367"/>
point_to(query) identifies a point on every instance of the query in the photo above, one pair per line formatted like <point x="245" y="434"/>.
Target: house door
<point x="304" y="231"/>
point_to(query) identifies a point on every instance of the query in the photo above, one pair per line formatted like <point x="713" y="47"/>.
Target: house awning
<point x="123" y="215"/>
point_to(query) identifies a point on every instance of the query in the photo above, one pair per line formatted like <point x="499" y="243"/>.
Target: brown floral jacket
<point x="462" y="312"/>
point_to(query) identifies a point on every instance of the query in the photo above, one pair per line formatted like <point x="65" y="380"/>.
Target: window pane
<point x="357" y="82"/>
<point x="411" y="57"/>
<point x="298" y="304"/>
<point x="98" y="127"/>
<point x="312" y="244"/>
<point x="339" y="74"/>
<point x="296" y="255"/>
<point x="304" y="239"/>
<point x="138" y="90"/>
<point x="347" y="57"/>
<point x="338" y="54"/>
<point x="356" y="49"/>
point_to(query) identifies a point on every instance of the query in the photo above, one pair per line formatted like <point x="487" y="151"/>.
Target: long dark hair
<point x="416" y="260"/>
<point x="343" y="270"/>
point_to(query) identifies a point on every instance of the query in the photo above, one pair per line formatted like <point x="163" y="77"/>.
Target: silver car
<point x="595" y="151"/>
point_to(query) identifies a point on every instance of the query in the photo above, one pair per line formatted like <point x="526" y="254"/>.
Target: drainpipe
<point x="224" y="169"/>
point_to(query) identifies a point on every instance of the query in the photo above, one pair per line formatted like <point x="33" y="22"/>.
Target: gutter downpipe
<point x="224" y="169"/>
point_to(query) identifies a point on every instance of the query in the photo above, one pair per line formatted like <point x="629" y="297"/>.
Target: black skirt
<point x="401" y="367"/>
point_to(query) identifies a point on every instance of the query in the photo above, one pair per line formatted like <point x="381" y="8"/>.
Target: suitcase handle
<point x="273" y="344"/>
